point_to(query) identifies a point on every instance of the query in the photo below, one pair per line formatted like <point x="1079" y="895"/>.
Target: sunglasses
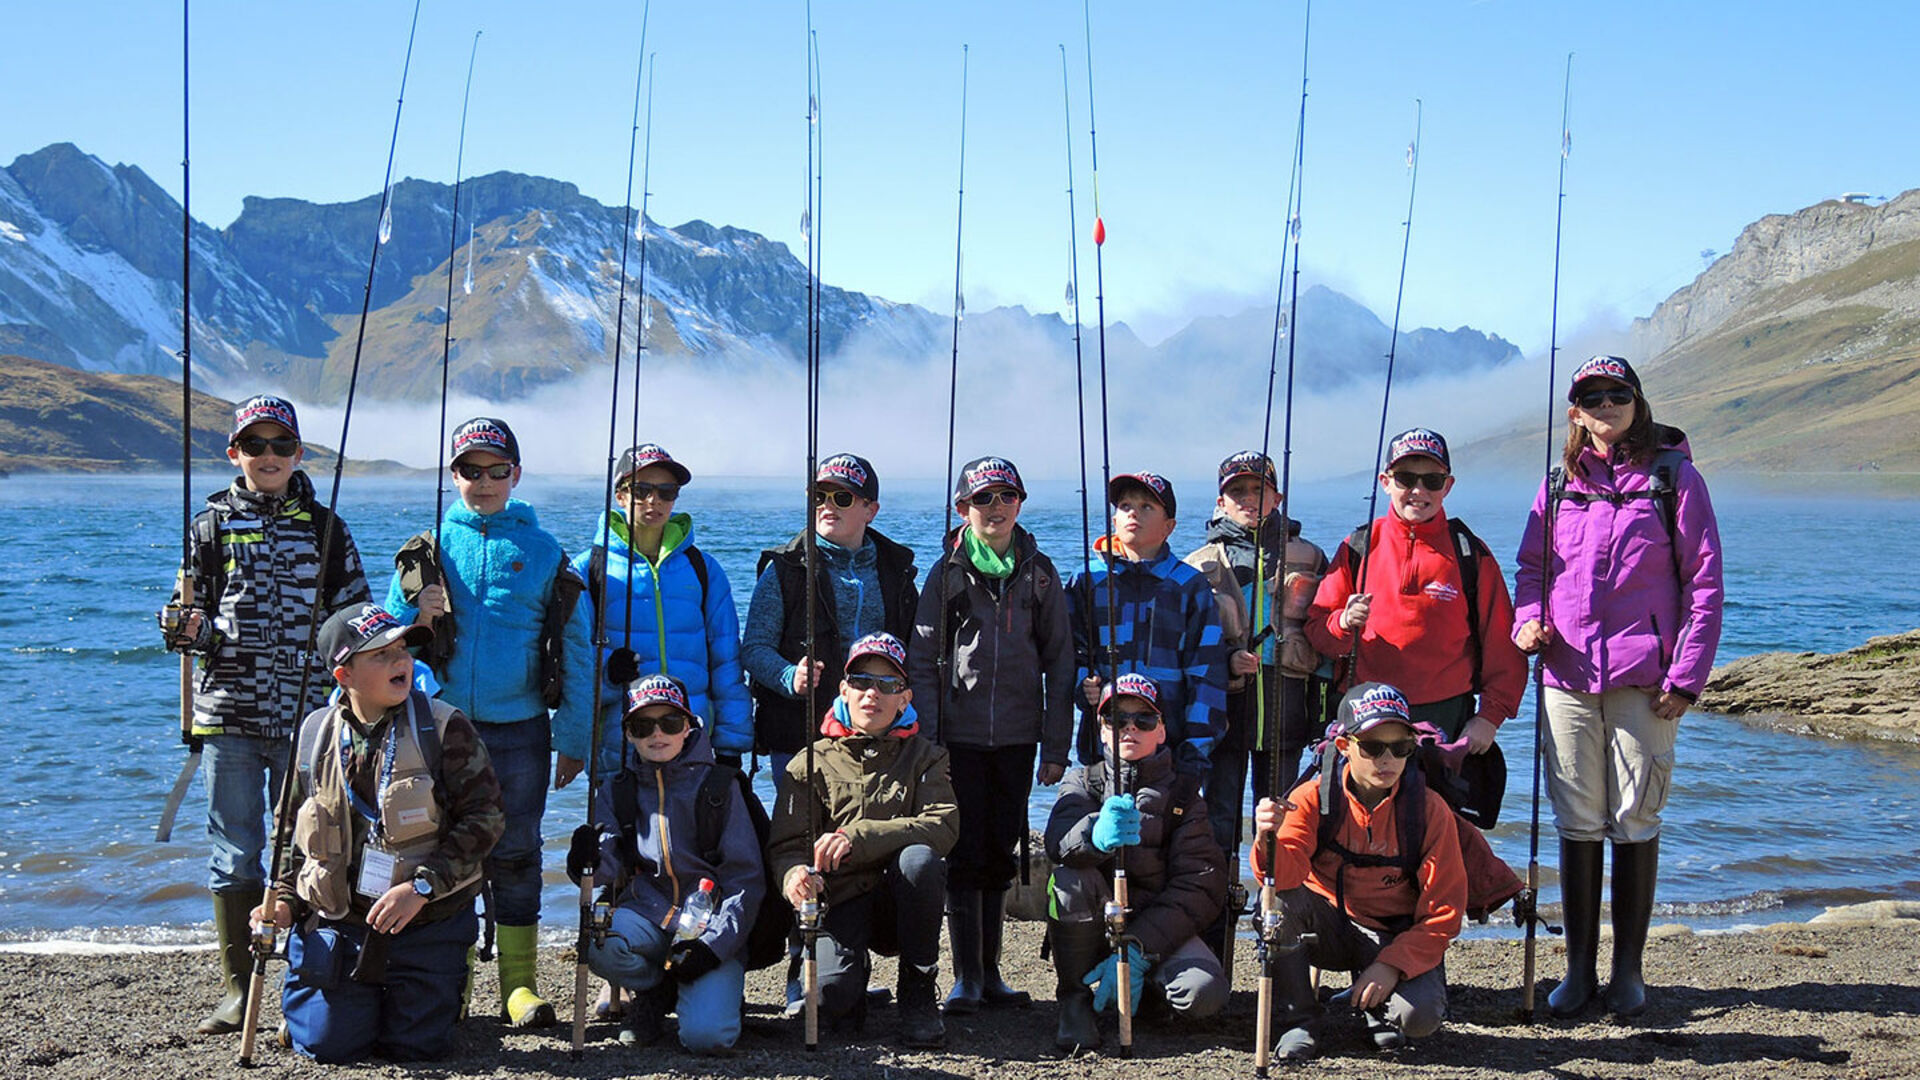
<point x="256" y="445"/>
<point x="1432" y="481"/>
<point x="475" y="472"/>
<point x="639" y="490"/>
<point x="839" y="497"/>
<point x="984" y="499"/>
<point x="1138" y="721"/>
<point x="1593" y="399"/>
<point x="1373" y="748"/>
<point x="885" y="684"/>
<point x="641" y="727"/>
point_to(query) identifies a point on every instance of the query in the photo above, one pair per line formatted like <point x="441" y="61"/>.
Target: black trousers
<point x="1289" y="730"/>
<point x="992" y="787"/>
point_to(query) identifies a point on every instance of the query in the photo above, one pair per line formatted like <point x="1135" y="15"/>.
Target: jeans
<point x="242" y="772"/>
<point x="632" y="957"/>
<point x="522" y="757"/>
<point x="409" y="1017"/>
<point x="902" y="914"/>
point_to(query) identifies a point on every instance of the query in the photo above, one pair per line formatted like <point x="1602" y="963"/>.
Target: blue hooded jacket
<point x="672" y="633"/>
<point x="500" y="569"/>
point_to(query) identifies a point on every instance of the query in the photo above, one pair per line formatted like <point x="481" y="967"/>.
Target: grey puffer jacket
<point x="1176" y="875"/>
<point x="1010" y="682"/>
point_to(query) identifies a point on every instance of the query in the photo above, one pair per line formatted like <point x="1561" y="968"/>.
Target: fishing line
<point x="811" y="910"/>
<point x="945" y="661"/>
<point x="446" y="341"/>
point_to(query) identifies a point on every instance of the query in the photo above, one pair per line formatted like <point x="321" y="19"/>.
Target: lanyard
<point x="370" y="813"/>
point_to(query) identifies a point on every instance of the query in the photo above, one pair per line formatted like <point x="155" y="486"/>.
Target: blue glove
<point x="1102" y="978"/>
<point x="1119" y="823"/>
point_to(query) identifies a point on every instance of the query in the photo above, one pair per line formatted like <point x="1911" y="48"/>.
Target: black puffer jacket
<point x="1176" y="875"/>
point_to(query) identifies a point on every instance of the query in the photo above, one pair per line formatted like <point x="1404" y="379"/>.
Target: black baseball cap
<point x="485" y="433"/>
<point x="850" y="471"/>
<point x="982" y="473"/>
<point x="1158" y="486"/>
<point x="646" y="454"/>
<point x="363" y="627"/>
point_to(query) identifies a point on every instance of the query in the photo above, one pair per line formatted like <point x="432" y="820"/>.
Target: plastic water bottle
<point x="696" y="913"/>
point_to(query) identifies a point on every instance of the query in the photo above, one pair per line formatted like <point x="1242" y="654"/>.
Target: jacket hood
<point x="1024" y="548"/>
<point x="1152" y="771"/>
<point x="612" y="533"/>
<point x="1161" y="565"/>
<point x="238" y="496"/>
<point x="838" y="723"/>
<point x="1223" y="529"/>
<point x="515" y="513"/>
<point x="697" y="752"/>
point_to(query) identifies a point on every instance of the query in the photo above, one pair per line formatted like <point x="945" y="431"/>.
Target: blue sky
<point x="1689" y="121"/>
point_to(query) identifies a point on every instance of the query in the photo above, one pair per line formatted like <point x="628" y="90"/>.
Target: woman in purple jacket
<point x="1622" y="601"/>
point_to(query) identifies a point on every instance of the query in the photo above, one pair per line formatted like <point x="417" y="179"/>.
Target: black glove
<point x="583" y="854"/>
<point x="688" y="960"/>
<point x="731" y="761"/>
<point x="622" y="667"/>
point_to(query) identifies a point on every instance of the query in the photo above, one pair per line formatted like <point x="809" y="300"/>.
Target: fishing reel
<point x="1526" y="912"/>
<point x="1238" y="899"/>
<point x="600" y="915"/>
<point x="811" y="910"/>
<point x="171" y="617"/>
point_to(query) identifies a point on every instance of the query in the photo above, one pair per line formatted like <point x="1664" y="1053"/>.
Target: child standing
<point x="502" y="570"/>
<point x="258" y="588"/>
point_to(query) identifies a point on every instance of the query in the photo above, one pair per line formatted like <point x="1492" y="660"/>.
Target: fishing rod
<point x="1272" y="943"/>
<point x="183" y="582"/>
<point x="1116" y="909"/>
<point x="944" y="661"/>
<point x="266" y="933"/>
<point x="813" y="908"/>
<point x="446" y="339"/>
<point x="596" y="916"/>
<point x="1526" y="906"/>
<point x="644" y="320"/>
<point x="1386" y="396"/>
<point x="1079" y="373"/>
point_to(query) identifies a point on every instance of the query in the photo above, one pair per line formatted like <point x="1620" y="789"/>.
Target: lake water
<point x="1761" y="826"/>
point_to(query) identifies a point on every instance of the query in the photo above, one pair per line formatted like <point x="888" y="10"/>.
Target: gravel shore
<point x="1800" y="1000"/>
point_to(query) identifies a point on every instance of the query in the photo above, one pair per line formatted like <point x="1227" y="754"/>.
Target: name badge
<point x="376" y="872"/>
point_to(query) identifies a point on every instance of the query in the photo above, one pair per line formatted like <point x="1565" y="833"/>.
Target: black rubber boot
<point x="1635" y="866"/>
<point x="1078" y="947"/>
<point x="1580" y="896"/>
<point x="920" y="1023"/>
<point x="993" y="988"/>
<point x="963" y="934"/>
<point x="230" y="923"/>
<point x="1297" y="1007"/>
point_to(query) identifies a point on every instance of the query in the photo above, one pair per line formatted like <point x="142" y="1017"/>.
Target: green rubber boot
<point x="230" y="923"/>
<point x="519" y="957"/>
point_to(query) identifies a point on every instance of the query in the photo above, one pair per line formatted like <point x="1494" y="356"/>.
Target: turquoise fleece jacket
<point x="500" y="569"/>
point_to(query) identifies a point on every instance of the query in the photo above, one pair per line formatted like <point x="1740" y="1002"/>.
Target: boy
<point x="865" y="585"/>
<point x="1379" y="905"/>
<point x="258" y="589"/>
<point x="397" y="809"/>
<point x="886" y="814"/>
<point x="1002" y="689"/>
<point x="1168" y="627"/>
<point x="658" y="948"/>
<point x="502" y="571"/>
<point x="1246" y="514"/>
<point x="1442" y="648"/>
<point x="1175" y="870"/>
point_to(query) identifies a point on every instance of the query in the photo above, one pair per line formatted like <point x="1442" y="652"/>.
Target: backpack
<point x="766" y="939"/>
<point x="417" y="564"/>
<point x="1467" y="552"/>
<point x="597" y="573"/>
<point x="552" y="646"/>
<point x="1665" y="490"/>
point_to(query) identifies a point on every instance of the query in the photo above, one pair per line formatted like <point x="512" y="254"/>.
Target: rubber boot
<point x="645" y="1018"/>
<point x="1580" y="866"/>
<point x="1297" y="1005"/>
<point x="466" y="985"/>
<point x="231" y="925"/>
<point x="519" y="958"/>
<point x="920" y="1023"/>
<point x="1634" y="868"/>
<point x="963" y="934"/>
<point x="1078" y="947"/>
<point x="994" y="989"/>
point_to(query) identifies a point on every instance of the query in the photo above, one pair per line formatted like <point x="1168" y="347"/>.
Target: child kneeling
<point x="686" y="900"/>
<point x="1176" y="873"/>
<point x="1379" y="904"/>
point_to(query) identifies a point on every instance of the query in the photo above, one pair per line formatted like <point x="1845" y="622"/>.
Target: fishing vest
<point x="404" y="820"/>
<point x="781" y="723"/>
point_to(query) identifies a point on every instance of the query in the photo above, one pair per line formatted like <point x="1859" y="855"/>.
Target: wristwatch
<point x="422" y="887"/>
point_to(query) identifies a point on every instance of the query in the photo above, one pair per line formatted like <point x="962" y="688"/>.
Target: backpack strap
<point x="626" y="794"/>
<point x="698" y="559"/>
<point x="1466" y="551"/>
<point x="213" y="564"/>
<point x="711" y="809"/>
<point x="333" y="537"/>
<point x="567" y="587"/>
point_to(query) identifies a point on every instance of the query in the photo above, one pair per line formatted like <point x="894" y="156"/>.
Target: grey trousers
<point x="1417" y="1005"/>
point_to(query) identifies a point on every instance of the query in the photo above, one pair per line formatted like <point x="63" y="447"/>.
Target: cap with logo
<point x="883" y="645"/>
<point x="1159" y="486"/>
<point x="982" y="473"/>
<point x="850" y="471"/>
<point x="1418" y="442"/>
<point x="1369" y="705"/>
<point x="1603" y="367"/>
<point x="646" y="454"/>
<point x="485" y="433"/>
<point x="364" y="627"/>
<point x="1132" y="684"/>
<point x="264" y="409"/>
<point x="1248" y="463"/>
<point x="657" y="690"/>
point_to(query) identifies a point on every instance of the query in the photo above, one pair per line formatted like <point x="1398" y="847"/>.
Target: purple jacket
<point x="1621" y="613"/>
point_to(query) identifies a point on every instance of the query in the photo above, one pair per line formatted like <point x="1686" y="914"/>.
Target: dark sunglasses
<point x="1593" y="399"/>
<point x="256" y="445"/>
<point x="1432" y="481"/>
<point x="641" y="727"/>
<point x="984" y="499"/>
<point x="1139" y="721"/>
<point x="885" y="684"/>
<point x="475" y="472"/>
<point x="1373" y="748"/>
<point x="839" y="497"/>
<point x="638" y="490"/>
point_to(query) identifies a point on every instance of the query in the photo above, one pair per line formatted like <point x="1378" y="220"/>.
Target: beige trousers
<point x="1609" y="763"/>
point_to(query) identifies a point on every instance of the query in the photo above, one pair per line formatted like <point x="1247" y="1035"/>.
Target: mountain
<point x="90" y="265"/>
<point x="1799" y="350"/>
